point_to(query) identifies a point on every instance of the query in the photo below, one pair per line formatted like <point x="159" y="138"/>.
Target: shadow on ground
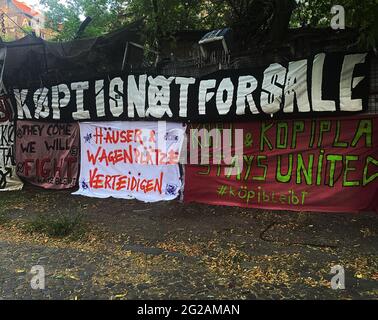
<point x="132" y="250"/>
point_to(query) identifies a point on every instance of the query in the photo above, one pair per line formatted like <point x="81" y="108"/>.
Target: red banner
<point x="47" y="154"/>
<point x="328" y="165"/>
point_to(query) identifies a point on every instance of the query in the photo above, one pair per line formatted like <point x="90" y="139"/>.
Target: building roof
<point x="25" y="8"/>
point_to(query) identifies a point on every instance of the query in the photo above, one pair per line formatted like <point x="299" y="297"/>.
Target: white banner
<point x="131" y="159"/>
<point x="8" y="177"/>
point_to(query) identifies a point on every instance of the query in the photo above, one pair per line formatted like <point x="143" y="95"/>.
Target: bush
<point x="60" y="226"/>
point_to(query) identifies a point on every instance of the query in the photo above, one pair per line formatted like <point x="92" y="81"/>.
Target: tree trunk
<point x="281" y="19"/>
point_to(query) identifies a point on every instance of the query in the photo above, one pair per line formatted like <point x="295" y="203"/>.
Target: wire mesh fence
<point x="373" y="94"/>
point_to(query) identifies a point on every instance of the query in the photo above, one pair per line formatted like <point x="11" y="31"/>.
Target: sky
<point x="37" y="5"/>
<point x="32" y="2"/>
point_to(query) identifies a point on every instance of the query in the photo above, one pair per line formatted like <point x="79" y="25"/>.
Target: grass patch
<point x="58" y="226"/>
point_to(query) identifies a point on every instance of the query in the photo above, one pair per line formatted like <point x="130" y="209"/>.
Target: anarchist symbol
<point x="171" y="189"/>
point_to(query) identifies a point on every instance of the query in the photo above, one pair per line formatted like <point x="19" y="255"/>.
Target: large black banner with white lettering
<point x="323" y="84"/>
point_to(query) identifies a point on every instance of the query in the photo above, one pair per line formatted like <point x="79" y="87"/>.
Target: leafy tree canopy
<point x="164" y="17"/>
<point x="360" y="15"/>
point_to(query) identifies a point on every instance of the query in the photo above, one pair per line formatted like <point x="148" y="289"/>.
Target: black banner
<point x="323" y="84"/>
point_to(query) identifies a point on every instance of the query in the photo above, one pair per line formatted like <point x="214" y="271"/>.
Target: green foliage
<point x="58" y="226"/>
<point x="163" y="17"/>
<point x="65" y="18"/>
<point x="358" y="15"/>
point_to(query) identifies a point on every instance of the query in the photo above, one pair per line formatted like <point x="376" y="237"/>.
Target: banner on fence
<point x="321" y="84"/>
<point x="326" y="165"/>
<point x="47" y="154"/>
<point x="131" y="160"/>
<point x="8" y="177"/>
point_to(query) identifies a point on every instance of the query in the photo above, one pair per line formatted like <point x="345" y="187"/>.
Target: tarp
<point x="32" y="61"/>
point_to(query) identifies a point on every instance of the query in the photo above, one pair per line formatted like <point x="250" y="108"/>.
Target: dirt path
<point x="170" y="250"/>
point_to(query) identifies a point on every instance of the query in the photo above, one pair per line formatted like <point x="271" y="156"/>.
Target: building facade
<point x="15" y="14"/>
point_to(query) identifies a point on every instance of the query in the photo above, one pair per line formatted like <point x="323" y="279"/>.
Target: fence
<point x="373" y="96"/>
